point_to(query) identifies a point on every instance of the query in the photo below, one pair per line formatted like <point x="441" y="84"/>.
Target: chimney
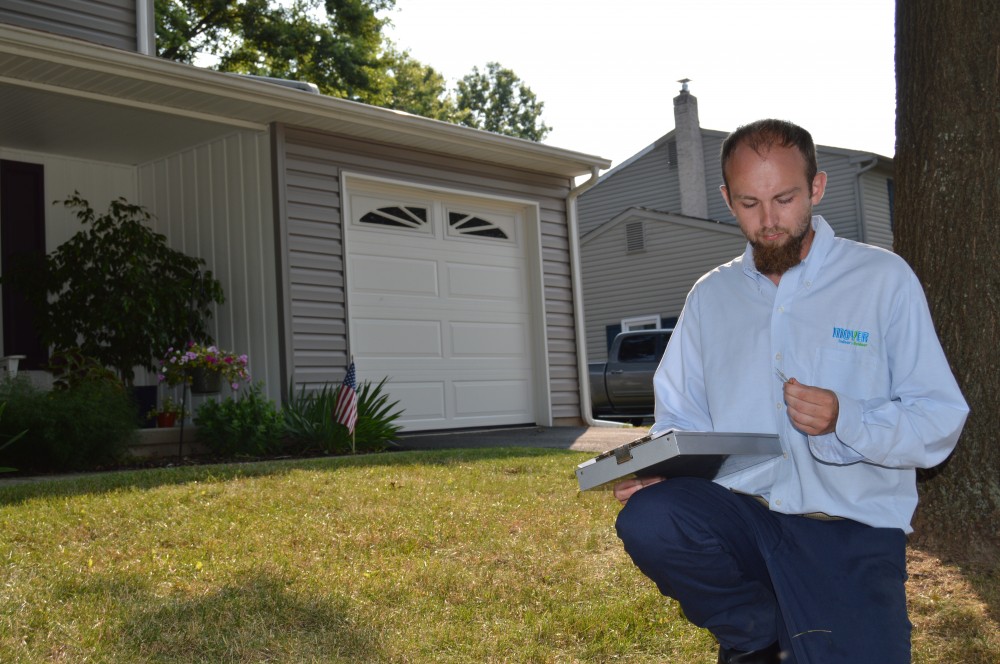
<point x="690" y="155"/>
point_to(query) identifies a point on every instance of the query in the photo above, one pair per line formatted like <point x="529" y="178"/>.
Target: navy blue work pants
<point x="829" y="591"/>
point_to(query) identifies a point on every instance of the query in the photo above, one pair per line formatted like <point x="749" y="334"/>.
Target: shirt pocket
<point x="852" y="371"/>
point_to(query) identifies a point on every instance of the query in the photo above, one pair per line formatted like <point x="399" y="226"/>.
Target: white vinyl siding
<point x="107" y="22"/>
<point x="313" y="255"/>
<point x="210" y="203"/>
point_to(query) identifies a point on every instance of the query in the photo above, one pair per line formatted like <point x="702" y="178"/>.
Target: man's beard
<point x="777" y="259"/>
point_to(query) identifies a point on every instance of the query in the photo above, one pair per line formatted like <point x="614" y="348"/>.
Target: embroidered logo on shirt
<point x="851" y="337"/>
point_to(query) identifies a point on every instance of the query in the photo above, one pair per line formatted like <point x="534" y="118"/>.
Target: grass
<point x="457" y="556"/>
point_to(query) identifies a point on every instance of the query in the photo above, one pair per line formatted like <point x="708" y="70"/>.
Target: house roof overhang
<point x="70" y="97"/>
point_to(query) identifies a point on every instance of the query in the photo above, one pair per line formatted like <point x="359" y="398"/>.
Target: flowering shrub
<point x="176" y="366"/>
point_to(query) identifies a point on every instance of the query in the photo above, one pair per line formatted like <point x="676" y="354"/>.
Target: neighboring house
<point x="437" y="255"/>
<point x="654" y="224"/>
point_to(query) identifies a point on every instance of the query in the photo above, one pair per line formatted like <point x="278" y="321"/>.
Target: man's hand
<point x="624" y="489"/>
<point x="813" y="410"/>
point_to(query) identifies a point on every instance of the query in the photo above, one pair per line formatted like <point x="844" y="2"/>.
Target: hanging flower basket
<point x="205" y="381"/>
<point x="203" y="368"/>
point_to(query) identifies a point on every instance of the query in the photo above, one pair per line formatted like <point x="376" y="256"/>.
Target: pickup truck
<point x="622" y="387"/>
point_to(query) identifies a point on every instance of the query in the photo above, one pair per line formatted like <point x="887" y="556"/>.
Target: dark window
<point x="22" y="238"/>
<point x="672" y="153"/>
<point x="638" y="348"/>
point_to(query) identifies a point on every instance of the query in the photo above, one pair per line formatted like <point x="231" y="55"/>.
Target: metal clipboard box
<point x="707" y="454"/>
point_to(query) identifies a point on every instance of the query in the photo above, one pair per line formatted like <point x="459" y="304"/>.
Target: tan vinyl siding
<point x="107" y="22"/>
<point x="310" y="179"/>
<point x="209" y="202"/>
<point x="678" y="252"/>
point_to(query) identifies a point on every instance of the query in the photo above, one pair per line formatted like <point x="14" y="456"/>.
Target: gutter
<point x="578" y="318"/>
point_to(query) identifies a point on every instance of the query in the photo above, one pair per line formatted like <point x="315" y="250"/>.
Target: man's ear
<point x="725" y="196"/>
<point x="818" y="188"/>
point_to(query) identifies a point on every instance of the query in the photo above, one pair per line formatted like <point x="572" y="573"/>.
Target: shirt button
<point x="781" y="310"/>
<point x="778" y="405"/>
<point x="777" y="356"/>
<point x="778" y="501"/>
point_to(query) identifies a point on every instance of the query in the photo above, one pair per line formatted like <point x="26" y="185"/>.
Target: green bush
<point x="247" y="424"/>
<point x="311" y="427"/>
<point x="87" y="426"/>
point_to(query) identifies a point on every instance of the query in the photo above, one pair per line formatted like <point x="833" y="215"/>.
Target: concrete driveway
<point x="584" y="439"/>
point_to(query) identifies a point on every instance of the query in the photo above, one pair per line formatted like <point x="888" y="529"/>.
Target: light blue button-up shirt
<point x="850" y="318"/>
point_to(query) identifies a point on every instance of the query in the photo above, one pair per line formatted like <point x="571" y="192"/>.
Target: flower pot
<point x="166" y="420"/>
<point x="204" y="381"/>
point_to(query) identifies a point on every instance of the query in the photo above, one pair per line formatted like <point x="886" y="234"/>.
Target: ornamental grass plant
<point x="487" y="555"/>
<point x="311" y="427"/>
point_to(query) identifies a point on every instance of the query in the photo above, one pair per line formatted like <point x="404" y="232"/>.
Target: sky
<point x="607" y="71"/>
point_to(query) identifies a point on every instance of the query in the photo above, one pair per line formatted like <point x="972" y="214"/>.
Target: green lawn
<point x="458" y="556"/>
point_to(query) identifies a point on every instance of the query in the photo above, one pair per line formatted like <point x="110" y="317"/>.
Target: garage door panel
<point x="420" y="401"/>
<point x="491" y="398"/>
<point x="485" y="281"/>
<point x="394" y="276"/>
<point x="488" y="340"/>
<point x="398" y="338"/>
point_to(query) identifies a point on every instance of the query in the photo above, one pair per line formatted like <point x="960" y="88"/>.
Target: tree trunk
<point x="947" y="185"/>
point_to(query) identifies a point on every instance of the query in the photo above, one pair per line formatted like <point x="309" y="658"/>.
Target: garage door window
<point x="398" y="217"/>
<point x="467" y="224"/>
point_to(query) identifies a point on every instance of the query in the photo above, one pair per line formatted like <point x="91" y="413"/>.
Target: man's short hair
<point x="762" y="135"/>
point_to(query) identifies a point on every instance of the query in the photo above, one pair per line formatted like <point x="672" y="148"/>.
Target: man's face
<point x="772" y="201"/>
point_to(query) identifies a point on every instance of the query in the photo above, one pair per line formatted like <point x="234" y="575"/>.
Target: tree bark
<point x="947" y="185"/>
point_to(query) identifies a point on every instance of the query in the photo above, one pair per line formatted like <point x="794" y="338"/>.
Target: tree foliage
<point x="332" y="43"/>
<point x="406" y="84"/>
<point x="947" y="197"/>
<point x="497" y="100"/>
<point x="339" y="46"/>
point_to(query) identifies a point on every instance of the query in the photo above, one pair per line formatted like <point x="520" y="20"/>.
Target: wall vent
<point x="635" y="236"/>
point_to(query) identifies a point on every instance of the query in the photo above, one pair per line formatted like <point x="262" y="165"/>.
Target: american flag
<point x="345" y="410"/>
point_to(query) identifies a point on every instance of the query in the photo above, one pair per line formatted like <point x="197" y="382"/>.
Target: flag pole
<point x="354" y="447"/>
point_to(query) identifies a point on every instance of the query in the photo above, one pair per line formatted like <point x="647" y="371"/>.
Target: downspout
<point x="579" y="322"/>
<point x="862" y="168"/>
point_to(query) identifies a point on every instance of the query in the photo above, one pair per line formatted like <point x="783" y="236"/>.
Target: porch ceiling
<point x="67" y="96"/>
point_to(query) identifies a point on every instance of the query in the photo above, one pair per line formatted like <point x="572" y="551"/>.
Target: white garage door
<point x="438" y="301"/>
